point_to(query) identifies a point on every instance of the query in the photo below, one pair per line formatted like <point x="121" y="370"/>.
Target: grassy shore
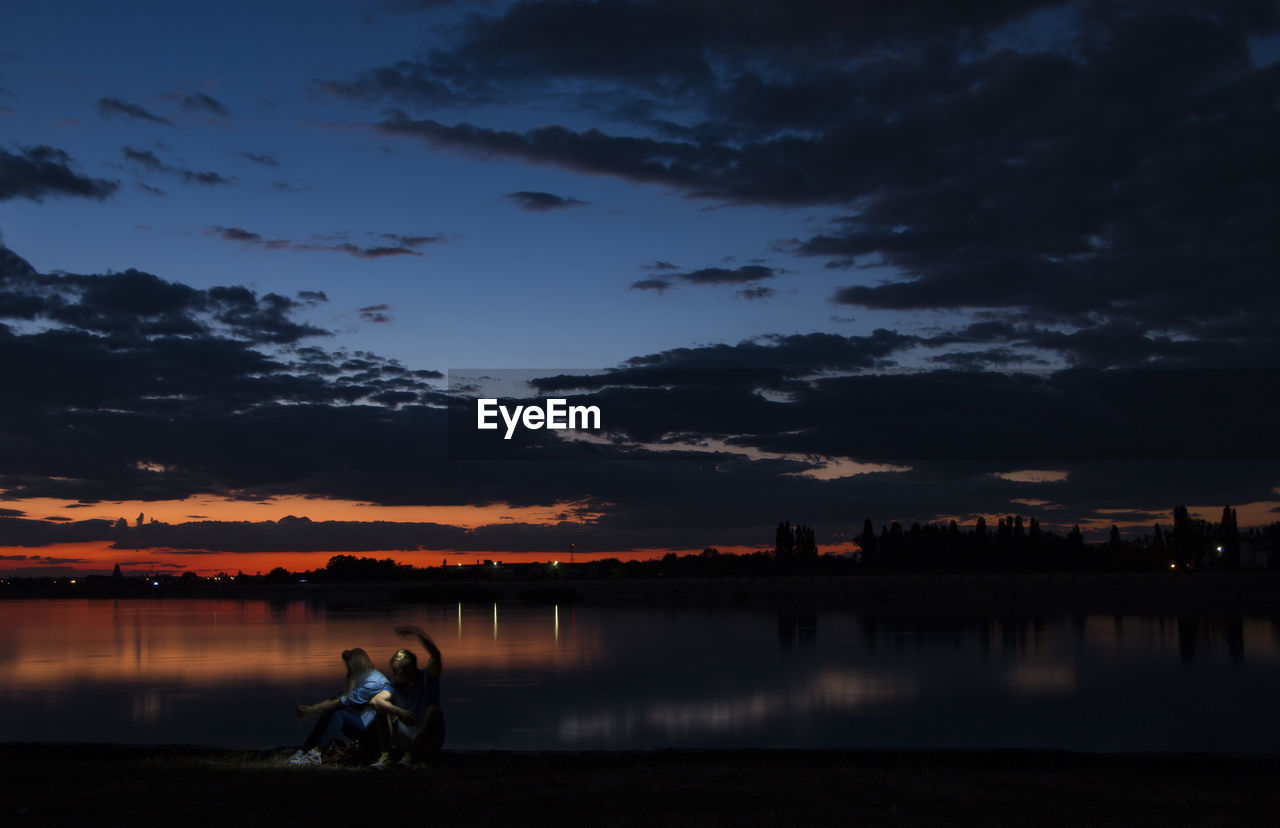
<point x="96" y="785"/>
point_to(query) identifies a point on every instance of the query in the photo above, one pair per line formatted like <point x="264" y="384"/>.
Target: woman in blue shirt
<point x="349" y="714"/>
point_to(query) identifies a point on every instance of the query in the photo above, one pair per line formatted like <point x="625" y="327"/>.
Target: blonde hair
<point x="403" y="658"/>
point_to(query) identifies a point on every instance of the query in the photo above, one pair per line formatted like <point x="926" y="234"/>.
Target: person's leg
<point x="319" y="730"/>
<point x="383" y="724"/>
<point x="431" y="737"/>
<point x="385" y="727"/>
<point x="331" y="724"/>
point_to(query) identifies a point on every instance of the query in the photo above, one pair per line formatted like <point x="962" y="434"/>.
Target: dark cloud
<point x="239" y="234"/>
<point x="376" y="252"/>
<point x="266" y="159"/>
<point x="708" y="276"/>
<point x="541" y="202"/>
<point x="407" y="81"/>
<point x="35" y="533"/>
<point x="145" y="158"/>
<point x="1075" y="163"/>
<point x="376" y="313"/>
<point x="415" y="5"/>
<point x="636" y="159"/>
<point x="37" y="172"/>
<point x="133" y="306"/>
<point x="148" y="160"/>
<point x="43" y="559"/>
<point x="200" y="102"/>
<point x="211" y="179"/>
<point x="405" y="244"/>
<point x="414" y="242"/>
<point x="131" y="386"/>
<point x="134" y="387"/>
<point x="1093" y="185"/>
<point x="111" y="107"/>
<point x="660" y="285"/>
<point x="725" y="276"/>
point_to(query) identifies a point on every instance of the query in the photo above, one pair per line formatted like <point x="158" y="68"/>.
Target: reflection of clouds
<point x="203" y="643"/>
<point x="1041" y="679"/>
<point x="828" y="691"/>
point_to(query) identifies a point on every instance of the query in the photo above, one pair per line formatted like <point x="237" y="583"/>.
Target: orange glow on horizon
<point x="98" y="557"/>
<point x="209" y="507"/>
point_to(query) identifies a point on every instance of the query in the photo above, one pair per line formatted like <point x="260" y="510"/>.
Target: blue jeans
<point x="342" y="720"/>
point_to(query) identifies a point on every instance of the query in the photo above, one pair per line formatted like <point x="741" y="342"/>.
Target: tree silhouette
<point x="870" y="546"/>
<point x="1229" y="533"/>
<point x="1184" y="541"/>
<point x="784" y="545"/>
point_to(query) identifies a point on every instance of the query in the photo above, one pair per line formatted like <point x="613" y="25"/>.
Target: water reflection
<point x="554" y="677"/>
<point x="827" y="692"/>
<point x="797" y="629"/>
<point x="214" y="643"/>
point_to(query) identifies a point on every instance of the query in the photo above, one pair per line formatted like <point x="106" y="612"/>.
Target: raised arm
<point x="433" y="664"/>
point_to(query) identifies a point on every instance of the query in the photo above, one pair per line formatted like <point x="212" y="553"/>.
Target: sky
<point x="817" y="262"/>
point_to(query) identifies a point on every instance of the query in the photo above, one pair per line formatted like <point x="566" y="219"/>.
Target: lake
<point x="226" y="673"/>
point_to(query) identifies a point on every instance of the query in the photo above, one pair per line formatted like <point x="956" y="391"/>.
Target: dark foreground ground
<point x="94" y="785"/>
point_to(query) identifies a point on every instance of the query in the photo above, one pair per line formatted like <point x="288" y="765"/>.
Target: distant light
<point x="73" y="580"/>
<point x="1173" y="566"/>
<point x="1219" y="549"/>
<point x="155" y="583"/>
<point x="555" y="563"/>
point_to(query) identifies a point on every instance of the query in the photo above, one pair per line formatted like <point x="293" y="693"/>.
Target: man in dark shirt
<point x="411" y="721"/>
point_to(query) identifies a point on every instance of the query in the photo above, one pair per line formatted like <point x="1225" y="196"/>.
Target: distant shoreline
<point x="930" y="594"/>
<point x="112" y="784"/>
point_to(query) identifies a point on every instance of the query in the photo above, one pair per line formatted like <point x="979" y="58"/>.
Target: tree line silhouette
<point x="1014" y="544"/>
<point x="1018" y="545"/>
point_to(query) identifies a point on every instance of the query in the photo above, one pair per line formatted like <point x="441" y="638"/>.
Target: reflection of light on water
<point x="148" y="707"/>
<point x="557" y="622"/>
<point x="495" y="620"/>
<point x="1042" y="679"/>
<point x="827" y="691"/>
<point x="205" y="644"/>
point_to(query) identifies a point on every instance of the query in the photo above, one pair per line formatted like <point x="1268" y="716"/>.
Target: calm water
<point x="226" y="673"/>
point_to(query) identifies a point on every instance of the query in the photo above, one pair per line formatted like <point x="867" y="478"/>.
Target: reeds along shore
<point x="113" y="785"/>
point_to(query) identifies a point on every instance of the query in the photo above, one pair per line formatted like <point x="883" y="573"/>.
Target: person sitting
<point x="411" y="723"/>
<point x="347" y="715"/>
